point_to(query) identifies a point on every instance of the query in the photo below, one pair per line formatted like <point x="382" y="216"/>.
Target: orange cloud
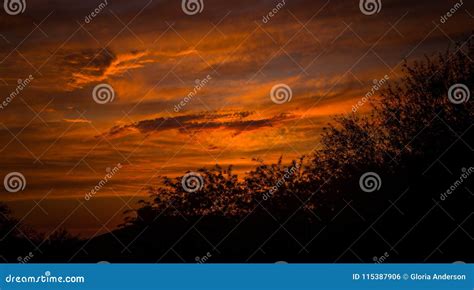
<point x="77" y="121"/>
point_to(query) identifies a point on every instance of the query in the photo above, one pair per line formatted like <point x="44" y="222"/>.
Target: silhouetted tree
<point x="411" y="126"/>
<point x="413" y="118"/>
<point x="7" y="222"/>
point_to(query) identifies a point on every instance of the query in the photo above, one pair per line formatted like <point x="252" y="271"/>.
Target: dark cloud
<point x="93" y="65"/>
<point x="90" y="61"/>
<point x="236" y="121"/>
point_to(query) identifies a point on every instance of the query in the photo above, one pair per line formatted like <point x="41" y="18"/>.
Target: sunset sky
<point x="152" y="54"/>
